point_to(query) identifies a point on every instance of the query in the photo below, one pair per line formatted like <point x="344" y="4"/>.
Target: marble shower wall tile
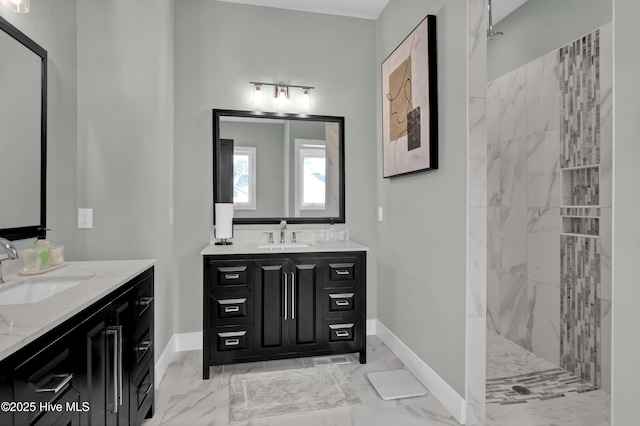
<point x="544" y="320"/>
<point x="605" y="255"/>
<point x="543" y="169"/>
<point x="514" y="313"/>
<point x="543" y="96"/>
<point x="477" y="27"/>
<point x="477" y="155"/>
<point x="543" y="246"/>
<point x="513" y="105"/>
<point x="513" y="173"/>
<point x="494" y="238"/>
<point x="514" y="241"/>
<point x="606" y="69"/>
<point x="494" y="195"/>
<point x="493" y="112"/>
<point x="606" y="160"/>
<point x="605" y="345"/>
<point x="493" y="301"/>
<point x="477" y="263"/>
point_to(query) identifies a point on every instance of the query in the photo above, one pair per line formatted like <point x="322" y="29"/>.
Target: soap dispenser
<point x="331" y="233"/>
<point x="43" y="247"/>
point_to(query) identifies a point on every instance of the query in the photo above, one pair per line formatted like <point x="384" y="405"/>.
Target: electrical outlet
<point x="85" y="218"/>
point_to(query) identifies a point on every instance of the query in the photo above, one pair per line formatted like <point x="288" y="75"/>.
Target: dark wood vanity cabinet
<point x="283" y="305"/>
<point x="98" y="365"/>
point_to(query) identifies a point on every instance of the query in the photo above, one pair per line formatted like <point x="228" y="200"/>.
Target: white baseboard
<point x="447" y="396"/>
<point x="164" y="360"/>
<point x="371" y="327"/>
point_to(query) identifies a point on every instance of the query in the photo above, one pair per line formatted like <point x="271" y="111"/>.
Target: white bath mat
<point x="280" y="393"/>
<point x="396" y="384"/>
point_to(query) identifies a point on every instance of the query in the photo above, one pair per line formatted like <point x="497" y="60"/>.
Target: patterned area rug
<point x="281" y="393"/>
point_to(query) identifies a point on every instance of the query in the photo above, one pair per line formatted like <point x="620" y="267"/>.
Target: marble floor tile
<point x="183" y="398"/>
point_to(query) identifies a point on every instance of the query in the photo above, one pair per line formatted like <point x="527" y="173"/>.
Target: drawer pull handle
<point x="342" y="302"/>
<point x="144" y="346"/>
<point x="145" y="301"/>
<point x="231" y="308"/>
<point x="342" y="272"/>
<point x="231" y="276"/>
<point x="58" y="382"/>
<point x="342" y="333"/>
<point x="232" y="342"/>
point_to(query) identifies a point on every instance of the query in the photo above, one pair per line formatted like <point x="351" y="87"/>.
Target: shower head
<point x="494" y="35"/>
<point x="491" y="34"/>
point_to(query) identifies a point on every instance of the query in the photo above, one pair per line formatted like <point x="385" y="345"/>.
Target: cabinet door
<point x="94" y="370"/>
<point x="123" y="324"/>
<point x="306" y="304"/>
<point x="271" y="307"/>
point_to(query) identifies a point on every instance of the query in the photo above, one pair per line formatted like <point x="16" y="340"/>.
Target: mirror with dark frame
<point x="23" y="134"/>
<point x="277" y="166"/>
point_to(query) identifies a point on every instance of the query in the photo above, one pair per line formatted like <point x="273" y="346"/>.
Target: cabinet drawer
<point x="236" y="309"/>
<point x="144" y="298"/>
<point x="230" y="342"/>
<point x="229" y="276"/>
<point x="341" y="332"/>
<point x="143" y="346"/>
<point x="339" y="302"/>
<point x="143" y="390"/>
<point x="342" y="271"/>
<point x="46" y="377"/>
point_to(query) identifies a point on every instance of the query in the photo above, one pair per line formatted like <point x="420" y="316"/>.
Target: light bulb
<point x="258" y="99"/>
<point x="305" y="103"/>
<point x="283" y="96"/>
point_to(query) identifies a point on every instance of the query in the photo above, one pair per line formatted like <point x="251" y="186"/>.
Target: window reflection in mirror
<point x="283" y="167"/>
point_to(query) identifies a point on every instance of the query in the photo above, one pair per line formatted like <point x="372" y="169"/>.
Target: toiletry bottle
<point x="331" y="233"/>
<point x="43" y="247"/>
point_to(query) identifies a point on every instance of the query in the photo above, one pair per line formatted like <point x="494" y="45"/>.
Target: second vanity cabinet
<point x="98" y="365"/>
<point x="283" y="305"/>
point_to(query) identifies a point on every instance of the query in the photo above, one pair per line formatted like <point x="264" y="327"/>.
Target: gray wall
<point x="219" y="48"/>
<point x="125" y="138"/>
<point x="527" y="33"/>
<point x="53" y="26"/>
<point x="422" y="250"/>
<point x="626" y="345"/>
<point x="268" y="139"/>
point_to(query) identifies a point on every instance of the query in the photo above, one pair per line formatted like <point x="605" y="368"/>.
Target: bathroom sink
<point x="285" y="246"/>
<point x="34" y="290"/>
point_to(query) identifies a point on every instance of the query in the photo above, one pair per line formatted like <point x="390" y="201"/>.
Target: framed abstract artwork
<point x="410" y="104"/>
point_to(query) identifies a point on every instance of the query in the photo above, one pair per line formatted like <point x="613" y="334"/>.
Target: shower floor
<point x="555" y="397"/>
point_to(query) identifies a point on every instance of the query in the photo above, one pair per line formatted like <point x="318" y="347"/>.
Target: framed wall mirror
<point x="276" y="166"/>
<point x="23" y="138"/>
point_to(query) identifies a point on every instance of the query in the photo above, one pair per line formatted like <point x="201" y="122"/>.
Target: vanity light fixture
<point x="258" y="99"/>
<point x="281" y="93"/>
<point x="305" y="102"/>
<point x="20" y="6"/>
<point x="282" y="96"/>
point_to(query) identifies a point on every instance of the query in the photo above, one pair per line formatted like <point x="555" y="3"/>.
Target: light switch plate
<point x="85" y="218"/>
<point x="380" y="214"/>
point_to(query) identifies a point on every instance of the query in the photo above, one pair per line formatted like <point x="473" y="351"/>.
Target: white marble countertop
<point x="22" y="324"/>
<point x="252" y="247"/>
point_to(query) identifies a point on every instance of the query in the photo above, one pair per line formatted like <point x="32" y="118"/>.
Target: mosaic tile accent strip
<point x="580" y="211"/>
<point x="584" y="226"/>
<point x="580" y="333"/>
<point x="580" y="101"/>
<point x="584" y="185"/>
<point x="541" y="385"/>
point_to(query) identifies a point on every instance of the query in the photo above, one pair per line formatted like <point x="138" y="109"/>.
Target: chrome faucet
<point x="283" y="231"/>
<point x="11" y="251"/>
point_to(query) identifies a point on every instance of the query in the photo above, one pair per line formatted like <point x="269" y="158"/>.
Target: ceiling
<point x="367" y="9"/>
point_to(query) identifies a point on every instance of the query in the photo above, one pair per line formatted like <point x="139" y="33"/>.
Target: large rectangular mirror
<point x="276" y="166"/>
<point x="23" y="147"/>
